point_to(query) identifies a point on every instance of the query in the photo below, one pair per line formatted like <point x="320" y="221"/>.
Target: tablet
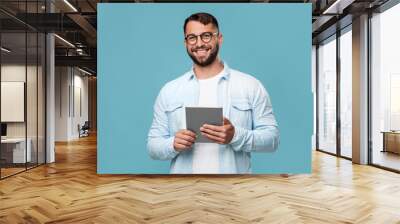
<point x="197" y="116"/>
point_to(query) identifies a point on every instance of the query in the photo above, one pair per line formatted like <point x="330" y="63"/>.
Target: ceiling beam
<point x="86" y="26"/>
<point x="82" y="61"/>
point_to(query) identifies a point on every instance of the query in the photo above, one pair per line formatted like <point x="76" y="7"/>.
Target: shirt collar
<point x="225" y="72"/>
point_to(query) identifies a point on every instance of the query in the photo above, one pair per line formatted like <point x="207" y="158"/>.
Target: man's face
<point x="202" y="53"/>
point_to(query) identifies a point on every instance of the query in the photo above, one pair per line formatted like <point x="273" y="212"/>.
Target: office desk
<point x="13" y="150"/>
<point x="391" y="141"/>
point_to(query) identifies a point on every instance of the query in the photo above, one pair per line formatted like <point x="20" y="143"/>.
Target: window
<point x="327" y="95"/>
<point x="385" y="88"/>
<point x="346" y="92"/>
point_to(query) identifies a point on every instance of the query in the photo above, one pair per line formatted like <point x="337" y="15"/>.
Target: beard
<point x="209" y="60"/>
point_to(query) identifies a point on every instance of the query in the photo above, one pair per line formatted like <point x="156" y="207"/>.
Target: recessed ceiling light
<point x="84" y="71"/>
<point x="70" y="5"/>
<point x="5" y="50"/>
<point x="65" y="41"/>
<point x="337" y="7"/>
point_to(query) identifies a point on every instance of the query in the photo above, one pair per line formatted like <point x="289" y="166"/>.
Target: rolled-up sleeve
<point x="264" y="137"/>
<point x="160" y="144"/>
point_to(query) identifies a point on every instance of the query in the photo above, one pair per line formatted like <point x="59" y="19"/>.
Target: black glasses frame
<point x="192" y="38"/>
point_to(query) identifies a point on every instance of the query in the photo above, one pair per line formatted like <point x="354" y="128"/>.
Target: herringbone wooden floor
<point x="70" y="191"/>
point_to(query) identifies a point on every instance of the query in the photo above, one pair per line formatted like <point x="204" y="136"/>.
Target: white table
<point x="18" y="155"/>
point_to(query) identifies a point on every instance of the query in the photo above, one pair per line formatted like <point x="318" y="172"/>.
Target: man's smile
<point x="201" y="52"/>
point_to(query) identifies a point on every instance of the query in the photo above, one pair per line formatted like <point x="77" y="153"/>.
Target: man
<point x="249" y="124"/>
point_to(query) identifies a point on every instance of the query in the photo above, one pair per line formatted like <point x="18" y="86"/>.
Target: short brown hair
<point x="202" y="17"/>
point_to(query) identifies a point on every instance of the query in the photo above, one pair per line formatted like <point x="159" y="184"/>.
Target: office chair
<point x="84" y="130"/>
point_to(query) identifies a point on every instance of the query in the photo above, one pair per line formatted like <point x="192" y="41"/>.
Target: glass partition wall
<point x="13" y="88"/>
<point x="22" y="77"/>
<point x="327" y="95"/>
<point x="385" y="89"/>
<point x="345" y="61"/>
<point x="334" y="91"/>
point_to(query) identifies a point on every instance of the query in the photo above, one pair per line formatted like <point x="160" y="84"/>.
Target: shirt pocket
<point x="241" y="113"/>
<point x="174" y="111"/>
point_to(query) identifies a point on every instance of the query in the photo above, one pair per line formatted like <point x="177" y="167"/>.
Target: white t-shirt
<point x="206" y="155"/>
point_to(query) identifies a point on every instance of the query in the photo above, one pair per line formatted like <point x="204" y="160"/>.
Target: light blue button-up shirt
<point x="245" y="103"/>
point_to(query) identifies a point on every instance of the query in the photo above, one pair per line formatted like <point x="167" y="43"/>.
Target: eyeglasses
<point x="205" y="37"/>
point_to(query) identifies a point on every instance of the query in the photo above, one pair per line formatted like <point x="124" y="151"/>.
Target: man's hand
<point x="219" y="134"/>
<point x="183" y="140"/>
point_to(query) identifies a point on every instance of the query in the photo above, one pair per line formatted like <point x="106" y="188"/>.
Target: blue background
<point x="141" y="47"/>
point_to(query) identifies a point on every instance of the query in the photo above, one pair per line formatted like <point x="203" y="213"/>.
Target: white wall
<point x="15" y="72"/>
<point x="9" y="73"/>
<point x="79" y="117"/>
<point x="70" y="84"/>
<point x="62" y="81"/>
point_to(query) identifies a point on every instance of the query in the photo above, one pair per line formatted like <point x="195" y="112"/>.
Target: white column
<point x="50" y="92"/>
<point x="360" y="90"/>
<point x="50" y="100"/>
